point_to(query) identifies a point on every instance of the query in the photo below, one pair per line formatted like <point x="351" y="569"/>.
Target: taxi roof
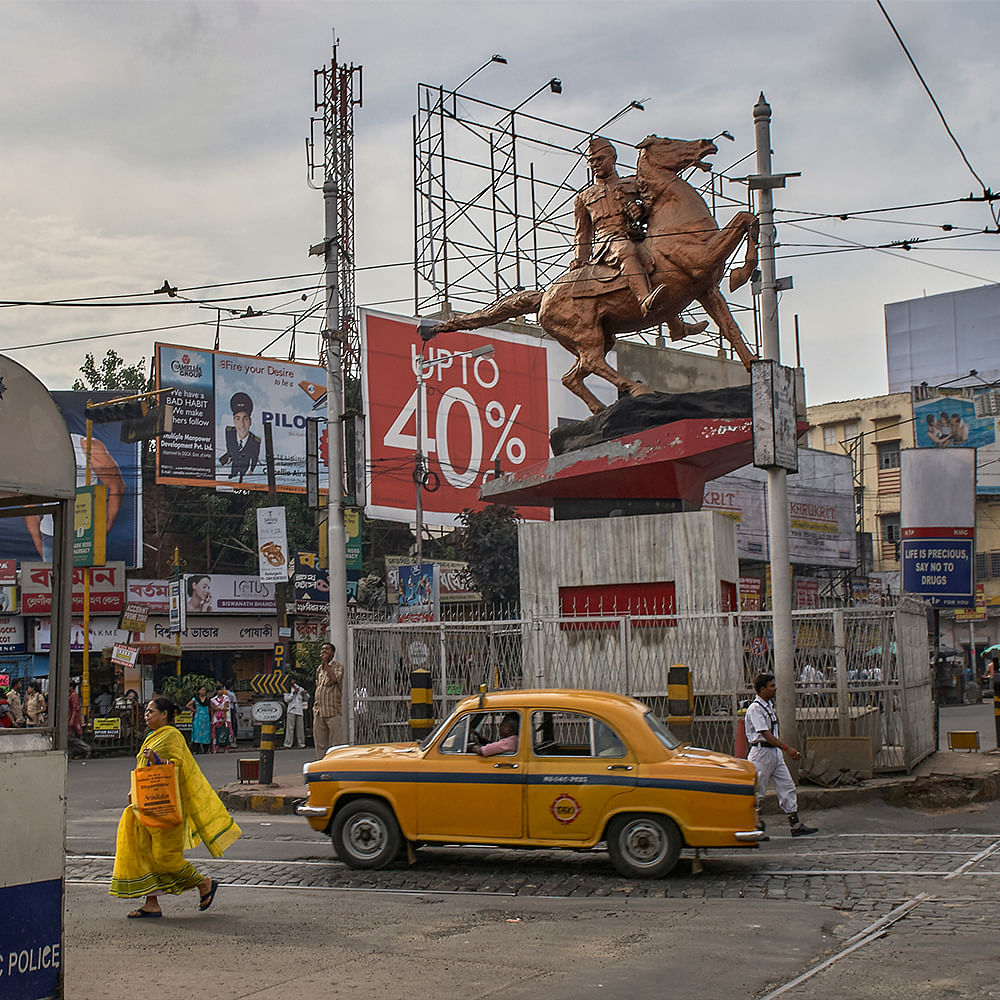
<point x="568" y="699"/>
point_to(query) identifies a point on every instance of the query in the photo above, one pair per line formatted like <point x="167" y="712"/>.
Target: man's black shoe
<point x="801" y="830"/>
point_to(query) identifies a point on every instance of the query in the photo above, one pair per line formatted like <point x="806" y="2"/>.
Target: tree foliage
<point x="488" y="543"/>
<point x="112" y="375"/>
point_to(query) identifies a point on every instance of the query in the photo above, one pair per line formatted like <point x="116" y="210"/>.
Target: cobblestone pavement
<point x="855" y="872"/>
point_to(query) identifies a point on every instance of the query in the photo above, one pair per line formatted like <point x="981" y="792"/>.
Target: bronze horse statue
<point x="685" y="251"/>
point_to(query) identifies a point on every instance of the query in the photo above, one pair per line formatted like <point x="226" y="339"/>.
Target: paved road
<point x="884" y="902"/>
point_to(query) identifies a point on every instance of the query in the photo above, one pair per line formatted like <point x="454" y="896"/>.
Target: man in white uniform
<point x="766" y="749"/>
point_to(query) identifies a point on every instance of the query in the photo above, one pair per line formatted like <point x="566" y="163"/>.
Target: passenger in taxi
<point x="507" y="742"/>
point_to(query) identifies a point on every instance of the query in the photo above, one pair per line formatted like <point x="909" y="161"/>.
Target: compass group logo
<point x="184" y="367"/>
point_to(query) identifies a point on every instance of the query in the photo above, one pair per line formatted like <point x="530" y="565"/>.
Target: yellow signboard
<point x="90" y="525"/>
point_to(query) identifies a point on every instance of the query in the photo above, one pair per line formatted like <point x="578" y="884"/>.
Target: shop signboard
<point x="822" y="531"/>
<point x="8" y="571"/>
<point x="456" y="583"/>
<point x="90" y="525"/>
<point x="750" y="588"/>
<point x="224" y="593"/>
<point x="12" y="634"/>
<point x="419" y="593"/>
<point x="272" y="545"/>
<point x="123" y="655"/>
<point x="107" y="727"/>
<point x="107" y="588"/>
<point x="103" y="634"/>
<point x="154" y="594"/>
<point x="8" y="599"/>
<point x="219" y="633"/>
<point x="479" y="414"/>
<point x="312" y="585"/>
<point x="221" y="402"/>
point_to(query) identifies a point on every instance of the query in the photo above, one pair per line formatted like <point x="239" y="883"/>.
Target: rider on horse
<point x="608" y="218"/>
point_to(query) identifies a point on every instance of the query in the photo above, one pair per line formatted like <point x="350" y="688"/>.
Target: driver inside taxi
<point x="507" y="741"/>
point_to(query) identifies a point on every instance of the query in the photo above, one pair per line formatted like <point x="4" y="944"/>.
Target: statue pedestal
<point x="657" y="470"/>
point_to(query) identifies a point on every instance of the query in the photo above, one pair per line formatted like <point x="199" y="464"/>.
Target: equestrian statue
<point x="645" y="248"/>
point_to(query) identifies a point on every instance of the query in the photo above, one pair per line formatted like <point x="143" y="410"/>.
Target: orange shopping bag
<point x="156" y="796"/>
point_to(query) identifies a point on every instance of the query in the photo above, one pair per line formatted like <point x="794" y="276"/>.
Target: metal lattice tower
<point x="493" y="203"/>
<point x="334" y="89"/>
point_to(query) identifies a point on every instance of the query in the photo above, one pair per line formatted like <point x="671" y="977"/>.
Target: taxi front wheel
<point x="643" y="846"/>
<point x="365" y="834"/>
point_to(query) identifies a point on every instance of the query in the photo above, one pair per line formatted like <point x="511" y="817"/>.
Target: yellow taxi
<point x="541" y="769"/>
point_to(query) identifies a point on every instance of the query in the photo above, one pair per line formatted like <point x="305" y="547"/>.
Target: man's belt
<point x="771" y="745"/>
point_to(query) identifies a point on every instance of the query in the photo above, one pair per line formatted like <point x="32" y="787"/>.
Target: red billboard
<point x="480" y="414"/>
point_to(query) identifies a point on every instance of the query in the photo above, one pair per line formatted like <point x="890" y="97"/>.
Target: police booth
<point x="37" y="478"/>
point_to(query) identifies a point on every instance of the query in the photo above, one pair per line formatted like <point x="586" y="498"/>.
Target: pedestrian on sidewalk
<point x="14" y="700"/>
<point x="201" y="724"/>
<point x="766" y="749"/>
<point x="295" y="730"/>
<point x="151" y="861"/>
<point x="34" y="706"/>
<point x="234" y="716"/>
<point x="220" y="719"/>
<point x="328" y="725"/>
<point x="74" y="725"/>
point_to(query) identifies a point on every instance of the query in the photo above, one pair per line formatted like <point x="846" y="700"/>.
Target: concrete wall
<point x="696" y="550"/>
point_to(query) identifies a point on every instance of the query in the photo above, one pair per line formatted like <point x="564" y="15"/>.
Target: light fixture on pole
<point x="421" y="476"/>
<point x="637" y="105"/>
<point x="495" y="58"/>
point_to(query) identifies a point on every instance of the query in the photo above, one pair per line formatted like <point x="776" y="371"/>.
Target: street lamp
<point x="420" y="473"/>
<point x="495" y="58"/>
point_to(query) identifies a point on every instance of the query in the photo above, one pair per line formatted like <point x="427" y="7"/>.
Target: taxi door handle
<point x="505" y="763"/>
<point x="619" y="767"/>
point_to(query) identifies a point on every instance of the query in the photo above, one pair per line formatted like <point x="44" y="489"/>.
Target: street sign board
<point x="266" y="711"/>
<point x="277" y="682"/>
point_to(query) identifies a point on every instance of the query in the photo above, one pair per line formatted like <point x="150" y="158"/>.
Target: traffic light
<point x="113" y="413"/>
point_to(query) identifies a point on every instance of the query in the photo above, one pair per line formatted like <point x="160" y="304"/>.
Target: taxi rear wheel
<point x="643" y="846"/>
<point x="365" y="834"/>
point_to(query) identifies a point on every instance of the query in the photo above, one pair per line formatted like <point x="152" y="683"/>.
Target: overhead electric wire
<point x="937" y="108"/>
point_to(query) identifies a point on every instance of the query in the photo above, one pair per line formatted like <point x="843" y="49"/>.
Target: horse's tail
<point x="515" y="304"/>
<point x="739" y="276"/>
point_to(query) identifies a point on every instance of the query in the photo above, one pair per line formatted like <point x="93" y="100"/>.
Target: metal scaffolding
<point x="493" y="204"/>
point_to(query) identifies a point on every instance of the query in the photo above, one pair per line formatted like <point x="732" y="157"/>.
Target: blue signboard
<point x="940" y="570"/>
<point x="31" y="956"/>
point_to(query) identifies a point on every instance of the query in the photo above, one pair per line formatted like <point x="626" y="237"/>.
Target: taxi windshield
<point x="662" y="732"/>
<point x="432" y="735"/>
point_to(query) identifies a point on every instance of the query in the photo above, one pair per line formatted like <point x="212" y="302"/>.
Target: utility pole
<point x="334" y="96"/>
<point x="777" y="485"/>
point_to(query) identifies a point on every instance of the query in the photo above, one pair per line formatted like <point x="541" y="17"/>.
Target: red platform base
<point x="670" y="462"/>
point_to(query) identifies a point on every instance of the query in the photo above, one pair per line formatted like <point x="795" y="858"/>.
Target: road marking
<point x="879" y="928"/>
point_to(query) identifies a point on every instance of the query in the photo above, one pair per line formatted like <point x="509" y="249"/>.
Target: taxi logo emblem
<point x="565" y="808"/>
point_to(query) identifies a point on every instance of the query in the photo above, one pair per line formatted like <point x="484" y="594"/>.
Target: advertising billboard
<point x="112" y="464"/>
<point x="938" y="525"/>
<point x="479" y="414"/>
<point x="821" y="524"/>
<point x="938" y="339"/>
<point x="961" y="417"/>
<point x="221" y="402"/>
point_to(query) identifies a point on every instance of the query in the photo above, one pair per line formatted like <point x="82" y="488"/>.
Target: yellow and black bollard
<point x="421" y="704"/>
<point x="266" y="773"/>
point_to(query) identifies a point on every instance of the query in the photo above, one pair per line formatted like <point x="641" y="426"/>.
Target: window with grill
<point x="829" y="436"/>
<point x="982" y="565"/>
<point x="852" y="428"/>
<point x="995" y="564"/>
<point x="888" y="454"/>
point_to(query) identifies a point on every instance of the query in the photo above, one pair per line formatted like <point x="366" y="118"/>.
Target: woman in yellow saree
<point x="150" y="861"/>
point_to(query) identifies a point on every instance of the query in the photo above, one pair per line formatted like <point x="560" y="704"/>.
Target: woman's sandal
<point x="139" y="914"/>
<point x="206" y="899"/>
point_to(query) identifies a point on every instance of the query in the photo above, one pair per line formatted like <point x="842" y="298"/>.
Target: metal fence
<point x="861" y="672"/>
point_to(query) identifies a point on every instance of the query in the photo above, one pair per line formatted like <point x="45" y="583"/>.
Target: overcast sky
<point x="151" y="140"/>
